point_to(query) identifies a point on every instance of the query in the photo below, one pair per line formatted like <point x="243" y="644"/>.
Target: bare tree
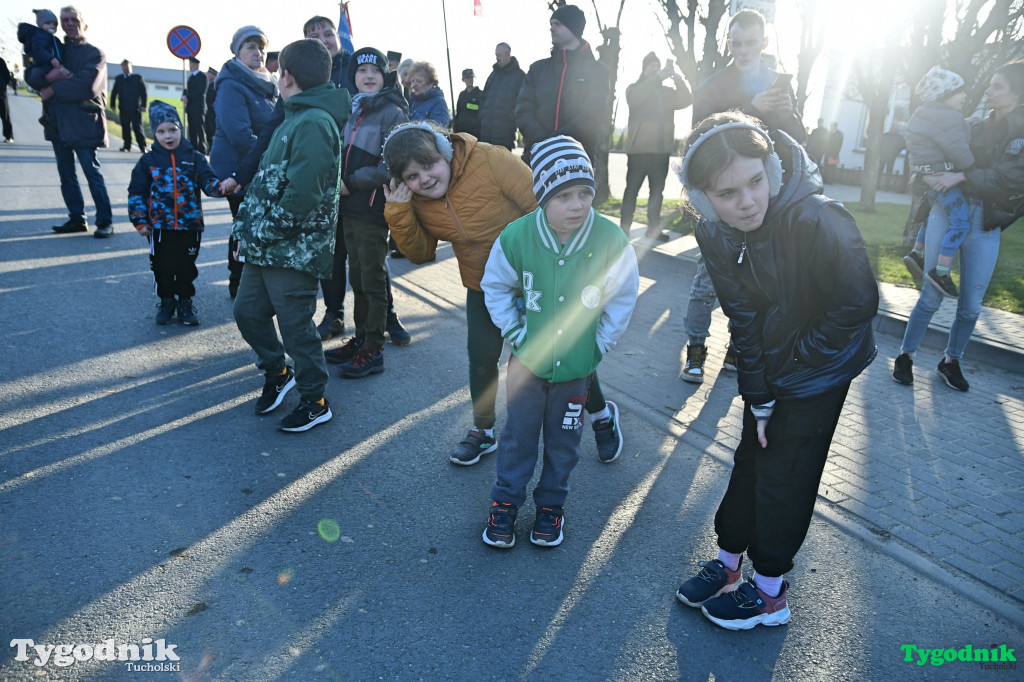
<point x="812" y="40"/>
<point x="709" y="15"/>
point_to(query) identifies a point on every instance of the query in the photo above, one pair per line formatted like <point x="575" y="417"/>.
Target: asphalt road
<point x="141" y="498"/>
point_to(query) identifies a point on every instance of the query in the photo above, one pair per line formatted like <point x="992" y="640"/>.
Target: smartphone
<point x="783" y="82"/>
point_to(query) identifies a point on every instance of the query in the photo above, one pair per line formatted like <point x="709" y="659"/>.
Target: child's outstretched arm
<point x="621" y="288"/>
<point x="500" y="285"/>
<point x="208" y="180"/>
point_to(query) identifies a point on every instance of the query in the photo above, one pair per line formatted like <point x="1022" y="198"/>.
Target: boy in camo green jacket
<point x="286" y="229"/>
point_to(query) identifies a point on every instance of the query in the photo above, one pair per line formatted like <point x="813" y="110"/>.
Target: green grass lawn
<point x="114" y="128"/>
<point x="883" y="233"/>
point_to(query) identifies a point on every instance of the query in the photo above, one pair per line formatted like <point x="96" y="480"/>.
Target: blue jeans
<point x="702" y="303"/>
<point x="978" y="255"/>
<point x="70" y="188"/>
<point x="954" y="203"/>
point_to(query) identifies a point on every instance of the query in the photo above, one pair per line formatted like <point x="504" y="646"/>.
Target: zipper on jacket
<point x="561" y="84"/>
<point x="174" y="177"/>
<point x="458" y="223"/>
<point x="743" y="251"/>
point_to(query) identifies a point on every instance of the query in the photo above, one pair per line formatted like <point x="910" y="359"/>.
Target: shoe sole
<point x="731" y="587"/>
<point x="280" y="396"/>
<point x="903" y="383"/>
<point x="77" y="230"/>
<point x="400" y="344"/>
<point x="692" y="379"/>
<point x="499" y="545"/>
<point x="618" y="427"/>
<point x="361" y="375"/>
<point x="729" y="368"/>
<point x="164" y="323"/>
<point x="945" y="294"/>
<point x="470" y="462"/>
<point x="102" y="235"/>
<point x="913" y="268"/>
<point x="950" y="384"/>
<point x="325" y="417"/>
<point x="769" y="619"/>
<point x="334" y="359"/>
<point x="544" y="543"/>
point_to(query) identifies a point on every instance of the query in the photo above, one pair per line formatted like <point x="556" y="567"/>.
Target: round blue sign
<point x="183" y="42"/>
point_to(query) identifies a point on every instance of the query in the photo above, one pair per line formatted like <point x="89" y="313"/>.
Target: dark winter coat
<point x="938" y="140"/>
<point x="164" y="192"/>
<point x="244" y="104"/>
<point x="802" y="298"/>
<point x="430" y="106"/>
<point x="78" y="107"/>
<point x="130" y="91"/>
<point x="998" y="173"/>
<point x="363" y="138"/>
<point x="569" y="93"/>
<point x="652" y="112"/>
<point x="498" y="110"/>
<point x="730" y="89"/>
<point x="196" y="91"/>
<point x="40" y="47"/>
<point x="467" y="112"/>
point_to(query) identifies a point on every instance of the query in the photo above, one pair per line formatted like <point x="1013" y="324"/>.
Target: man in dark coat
<point x="130" y="90"/>
<point x="650" y="139"/>
<point x="195" y="106"/>
<point x="498" y="110"/>
<point x="5" y="113"/>
<point x="816" y="142"/>
<point x="569" y="93"/>
<point x="210" y="122"/>
<point x="78" y="102"/>
<point x="467" y="110"/>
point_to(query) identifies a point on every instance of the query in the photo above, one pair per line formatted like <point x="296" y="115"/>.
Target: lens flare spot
<point x="285" y="576"/>
<point x="328" y="530"/>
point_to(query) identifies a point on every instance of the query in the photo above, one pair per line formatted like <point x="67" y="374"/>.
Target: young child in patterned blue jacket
<point x="577" y="275"/>
<point x="164" y="205"/>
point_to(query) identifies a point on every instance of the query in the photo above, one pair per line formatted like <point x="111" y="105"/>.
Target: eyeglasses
<point x="753" y="42"/>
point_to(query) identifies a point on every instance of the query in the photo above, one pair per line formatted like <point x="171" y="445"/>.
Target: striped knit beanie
<point x="558" y="163"/>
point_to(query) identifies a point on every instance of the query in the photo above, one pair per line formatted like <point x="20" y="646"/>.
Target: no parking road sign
<point x="183" y="42"/>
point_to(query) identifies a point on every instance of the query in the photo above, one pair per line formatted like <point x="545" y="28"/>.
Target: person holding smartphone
<point x="756" y="89"/>
<point x="650" y="139"/>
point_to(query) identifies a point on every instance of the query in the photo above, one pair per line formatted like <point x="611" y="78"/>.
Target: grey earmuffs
<point x="441" y="141"/>
<point x="699" y="199"/>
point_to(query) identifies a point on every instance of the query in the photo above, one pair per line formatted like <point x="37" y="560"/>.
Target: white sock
<point x="487" y="432"/>
<point x="601" y="414"/>
<point x="731" y="561"/>
<point x="770" y="586"/>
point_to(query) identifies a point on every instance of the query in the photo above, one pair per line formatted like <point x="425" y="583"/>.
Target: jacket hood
<point x="335" y="101"/>
<point x="234" y="71"/>
<point x="164" y="155"/>
<point x="435" y="92"/>
<point x="390" y="94"/>
<point x="800" y="176"/>
<point x="511" y="66"/>
<point x="462" y="145"/>
<point x="583" y="50"/>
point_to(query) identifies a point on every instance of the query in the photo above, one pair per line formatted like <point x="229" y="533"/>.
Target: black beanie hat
<point x="650" y="58"/>
<point x="366" y="55"/>
<point x="572" y="18"/>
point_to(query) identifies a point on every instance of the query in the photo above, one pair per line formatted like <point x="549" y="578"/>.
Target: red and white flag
<point x="478" y="8"/>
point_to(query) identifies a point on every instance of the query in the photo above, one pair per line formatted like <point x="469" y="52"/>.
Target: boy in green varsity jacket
<point x="285" y="230"/>
<point x="560" y="283"/>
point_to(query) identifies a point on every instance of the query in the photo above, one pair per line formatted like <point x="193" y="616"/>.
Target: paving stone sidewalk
<point x="931" y="475"/>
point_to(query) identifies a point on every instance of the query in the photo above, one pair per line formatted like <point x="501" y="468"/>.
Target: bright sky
<point x="137" y="31"/>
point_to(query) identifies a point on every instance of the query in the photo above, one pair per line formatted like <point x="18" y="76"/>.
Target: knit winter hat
<point x="938" y="85"/>
<point x="243" y="34"/>
<point x="366" y="55"/>
<point x="572" y="18"/>
<point x="650" y="58"/>
<point x="558" y="163"/>
<point x="162" y="112"/>
<point x="45" y="16"/>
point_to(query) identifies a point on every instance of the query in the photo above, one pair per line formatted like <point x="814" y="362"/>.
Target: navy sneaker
<point x="470" y="448"/>
<point x="547" y="528"/>
<point x="332" y="325"/>
<point x="363" y="363"/>
<point x="943" y="283"/>
<point x="396" y="332"/>
<point x="914" y="263"/>
<point x="952" y="375"/>
<point x="714" y="579"/>
<point x="275" y="388"/>
<point x="165" y="310"/>
<point x="306" y="416"/>
<point x="103" y="230"/>
<point x="747" y="607"/>
<point x="345" y="352"/>
<point x="903" y="370"/>
<point x="187" y="312"/>
<point x="608" y="435"/>
<point x="501" y="525"/>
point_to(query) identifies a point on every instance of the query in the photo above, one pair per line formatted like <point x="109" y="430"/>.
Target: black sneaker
<point x="915" y="265"/>
<point x="944" y="283"/>
<point x="547" y="528"/>
<point x="714" y="579"/>
<point x="729" y="363"/>
<point x="954" y="378"/>
<point x="165" y="310"/>
<point x="187" y="312"/>
<point x="396" y="332"/>
<point x="363" y="363"/>
<point x="608" y="435"/>
<point x="345" y="352"/>
<point x="748" y="607"/>
<point x="332" y="325"/>
<point x="470" y="448"/>
<point x="306" y="416"/>
<point x="103" y="231"/>
<point x="693" y="372"/>
<point x="274" y="390"/>
<point x="501" y="525"/>
<point x="903" y="370"/>
<point x="71" y="226"/>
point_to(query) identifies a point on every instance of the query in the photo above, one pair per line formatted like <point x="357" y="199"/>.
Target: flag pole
<point x="448" y="52"/>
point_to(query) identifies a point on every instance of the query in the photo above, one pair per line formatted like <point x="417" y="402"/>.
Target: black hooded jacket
<point x="802" y="301"/>
<point x="998" y="172"/>
<point x="498" y="110"/>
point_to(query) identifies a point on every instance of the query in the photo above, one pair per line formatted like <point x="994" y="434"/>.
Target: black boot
<point x="166" y="310"/>
<point x="187" y="312"/>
